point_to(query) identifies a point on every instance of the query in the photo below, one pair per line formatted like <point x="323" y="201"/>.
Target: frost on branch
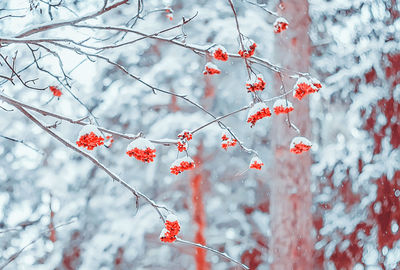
<point x="300" y="145"/>
<point x="90" y="137"/>
<point x="182" y="164"/>
<point x="249" y="48"/>
<point x="256" y="163"/>
<point x="257" y="112"/>
<point x="171" y="230"/>
<point x="227" y="141"/>
<point x="282" y="106"/>
<point x="280" y="24"/>
<point x="56" y="92"/>
<point x="142" y="149"/>
<point x="219" y="53"/>
<point x="211" y="69"/>
<point x="256" y="83"/>
<point x="304" y="87"/>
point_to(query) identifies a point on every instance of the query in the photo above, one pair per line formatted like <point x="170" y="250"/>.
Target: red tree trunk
<point x="291" y="219"/>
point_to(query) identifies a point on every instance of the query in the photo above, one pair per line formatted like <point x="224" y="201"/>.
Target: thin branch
<point x="15" y="255"/>
<point x="224" y="255"/>
<point x="19" y="77"/>
<point x="95" y="162"/>
<point x="219" y="118"/>
<point x="80" y="122"/>
<point x="119" y="180"/>
<point x="54" y="25"/>
<point x="263" y="7"/>
<point x="21" y="142"/>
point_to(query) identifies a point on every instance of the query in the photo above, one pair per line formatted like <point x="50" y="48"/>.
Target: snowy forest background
<point x="334" y="207"/>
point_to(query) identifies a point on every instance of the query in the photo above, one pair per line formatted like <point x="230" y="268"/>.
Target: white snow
<point x="297" y="140"/>
<point x="215" y="48"/>
<point x="256" y="159"/>
<point x="178" y="161"/>
<point x="171" y="218"/>
<point x="140" y="143"/>
<point x="212" y="66"/>
<point x="282" y="102"/>
<point x="254" y="79"/>
<point x="90" y="128"/>
<point x="256" y="108"/>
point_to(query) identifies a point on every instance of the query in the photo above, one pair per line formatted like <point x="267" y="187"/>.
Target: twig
<point x="224" y="255"/>
<point x="22" y="142"/>
<point x="15" y="255"/>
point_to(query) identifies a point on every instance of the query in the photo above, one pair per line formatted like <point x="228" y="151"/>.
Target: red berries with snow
<point x="226" y="141"/>
<point x="171" y="230"/>
<point x="256" y="163"/>
<point x="185" y="135"/>
<point x="300" y="145"/>
<point x="56" y="92"/>
<point x="211" y="69"/>
<point x="219" y="53"/>
<point x="257" y="112"/>
<point x="316" y="84"/>
<point x="90" y="137"/>
<point x="182" y="146"/>
<point x="182" y="164"/>
<point x="249" y="48"/>
<point x="142" y="149"/>
<point x="282" y="106"/>
<point x="280" y="24"/>
<point x="256" y="83"/>
<point x="304" y="87"/>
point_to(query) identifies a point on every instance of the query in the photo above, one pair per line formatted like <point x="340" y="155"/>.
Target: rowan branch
<point x="134" y="191"/>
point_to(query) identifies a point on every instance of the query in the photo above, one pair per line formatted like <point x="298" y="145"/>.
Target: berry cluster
<point x="280" y="24"/>
<point x="257" y="112"/>
<point x="304" y="87"/>
<point x="249" y="48"/>
<point x="256" y="163"/>
<point x="142" y="149"/>
<point x="182" y="146"/>
<point x="256" y="83"/>
<point x="56" y="92"/>
<point x="227" y="142"/>
<point x="185" y="135"/>
<point x="89" y="137"/>
<point x="182" y="164"/>
<point x="219" y="53"/>
<point x="171" y="230"/>
<point x="300" y="145"/>
<point x="211" y="69"/>
<point x="282" y="106"/>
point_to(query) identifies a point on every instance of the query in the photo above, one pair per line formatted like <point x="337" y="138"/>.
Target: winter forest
<point x="195" y="134"/>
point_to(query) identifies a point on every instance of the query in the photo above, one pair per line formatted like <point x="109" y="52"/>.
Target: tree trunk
<point x="291" y="219"/>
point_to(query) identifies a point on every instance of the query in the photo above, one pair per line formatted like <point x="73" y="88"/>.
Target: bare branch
<point x="224" y="255"/>
<point x="54" y="25"/>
